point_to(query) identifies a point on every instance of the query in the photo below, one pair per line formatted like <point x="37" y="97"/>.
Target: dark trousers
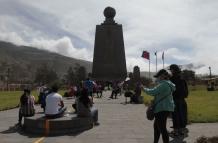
<point x="58" y="115"/>
<point x="179" y="115"/>
<point x="114" y="93"/>
<point x="20" y="117"/>
<point x="160" y="127"/>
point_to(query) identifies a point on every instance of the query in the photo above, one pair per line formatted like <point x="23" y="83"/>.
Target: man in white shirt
<point x="54" y="104"/>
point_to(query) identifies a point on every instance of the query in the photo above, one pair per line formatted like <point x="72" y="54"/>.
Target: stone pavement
<point x="119" y="123"/>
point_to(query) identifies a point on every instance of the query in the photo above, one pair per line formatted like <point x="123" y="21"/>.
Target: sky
<point x="185" y="30"/>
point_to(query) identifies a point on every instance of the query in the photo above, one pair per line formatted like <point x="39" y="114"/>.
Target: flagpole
<point x="156" y="60"/>
<point x="146" y="55"/>
<point x="149" y="70"/>
<point x="163" y="59"/>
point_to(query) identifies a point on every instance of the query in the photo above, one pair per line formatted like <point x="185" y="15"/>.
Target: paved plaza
<point x="119" y="123"/>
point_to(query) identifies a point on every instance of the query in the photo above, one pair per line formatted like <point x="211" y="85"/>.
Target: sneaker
<point x="18" y="124"/>
<point x="174" y="134"/>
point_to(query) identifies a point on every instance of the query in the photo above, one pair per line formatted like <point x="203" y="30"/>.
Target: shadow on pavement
<point x="21" y="130"/>
<point x="18" y="129"/>
<point x="12" y="129"/>
<point x="179" y="139"/>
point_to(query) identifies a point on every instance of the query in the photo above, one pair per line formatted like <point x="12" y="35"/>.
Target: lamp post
<point x="8" y="72"/>
<point x="210" y="72"/>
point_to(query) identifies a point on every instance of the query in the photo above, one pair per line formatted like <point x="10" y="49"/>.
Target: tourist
<point x="26" y="105"/>
<point x="137" y="93"/>
<point x="164" y="104"/>
<point x="43" y="96"/>
<point x="89" y="85"/>
<point x="85" y="107"/>
<point x="115" y="89"/>
<point x="180" y="114"/>
<point x="54" y="104"/>
<point x="77" y="95"/>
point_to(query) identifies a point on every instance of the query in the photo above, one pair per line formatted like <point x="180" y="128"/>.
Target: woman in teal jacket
<point x="163" y="107"/>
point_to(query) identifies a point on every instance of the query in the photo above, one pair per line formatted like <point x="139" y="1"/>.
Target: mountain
<point x="23" y="61"/>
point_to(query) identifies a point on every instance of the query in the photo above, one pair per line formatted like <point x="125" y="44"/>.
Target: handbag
<point x="150" y="111"/>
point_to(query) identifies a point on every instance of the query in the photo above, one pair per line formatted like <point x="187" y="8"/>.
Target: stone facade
<point x="109" y="62"/>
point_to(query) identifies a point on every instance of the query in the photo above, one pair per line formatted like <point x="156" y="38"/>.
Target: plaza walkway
<point x="119" y="123"/>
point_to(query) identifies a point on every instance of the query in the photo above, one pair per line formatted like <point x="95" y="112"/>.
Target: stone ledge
<point x="69" y="123"/>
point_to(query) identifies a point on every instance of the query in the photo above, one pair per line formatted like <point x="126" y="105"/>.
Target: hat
<point x="175" y="68"/>
<point x="161" y="72"/>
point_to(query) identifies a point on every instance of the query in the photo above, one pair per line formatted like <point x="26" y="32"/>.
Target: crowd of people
<point x="169" y="96"/>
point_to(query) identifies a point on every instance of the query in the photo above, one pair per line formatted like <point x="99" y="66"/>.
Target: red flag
<point x="145" y="55"/>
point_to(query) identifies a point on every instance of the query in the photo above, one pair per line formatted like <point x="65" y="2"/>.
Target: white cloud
<point x="63" y="46"/>
<point x="12" y="37"/>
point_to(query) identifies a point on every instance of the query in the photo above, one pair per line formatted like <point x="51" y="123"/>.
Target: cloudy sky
<point x="185" y="30"/>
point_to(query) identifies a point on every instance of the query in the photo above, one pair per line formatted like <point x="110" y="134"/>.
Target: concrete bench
<point x="69" y="123"/>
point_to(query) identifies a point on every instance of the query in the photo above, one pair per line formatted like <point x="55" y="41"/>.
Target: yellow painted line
<point x="39" y="140"/>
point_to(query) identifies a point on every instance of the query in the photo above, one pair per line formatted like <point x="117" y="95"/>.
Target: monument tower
<point x="109" y="62"/>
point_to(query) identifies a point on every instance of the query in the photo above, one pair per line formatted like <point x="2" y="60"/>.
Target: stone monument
<point x="109" y="62"/>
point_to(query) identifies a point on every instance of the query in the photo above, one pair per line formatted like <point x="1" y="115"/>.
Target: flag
<point x="163" y="56"/>
<point x="145" y="55"/>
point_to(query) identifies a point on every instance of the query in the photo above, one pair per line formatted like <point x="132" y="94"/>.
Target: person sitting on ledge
<point x="85" y="107"/>
<point x="26" y="106"/>
<point x="54" y="104"/>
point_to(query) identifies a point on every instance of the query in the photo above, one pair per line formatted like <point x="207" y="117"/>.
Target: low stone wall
<point x="67" y="124"/>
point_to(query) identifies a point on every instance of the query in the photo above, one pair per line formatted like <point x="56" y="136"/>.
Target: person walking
<point x="179" y="116"/>
<point x="164" y="104"/>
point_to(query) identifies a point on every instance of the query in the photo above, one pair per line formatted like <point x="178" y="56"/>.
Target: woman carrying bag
<point x="164" y="104"/>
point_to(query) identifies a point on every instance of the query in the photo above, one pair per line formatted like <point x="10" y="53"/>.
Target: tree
<point x="45" y="75"/>
<point x="70" y="76"/>
<point x="80" y="73"/>
<point x="76" y="75"/>
<point x="188" y="75"/>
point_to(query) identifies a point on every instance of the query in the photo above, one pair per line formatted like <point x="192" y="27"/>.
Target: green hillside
<point x="22" y="61"/>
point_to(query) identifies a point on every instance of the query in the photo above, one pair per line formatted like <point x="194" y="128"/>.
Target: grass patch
<point x="11" y="99"/>
<point x="202" y="105"/>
